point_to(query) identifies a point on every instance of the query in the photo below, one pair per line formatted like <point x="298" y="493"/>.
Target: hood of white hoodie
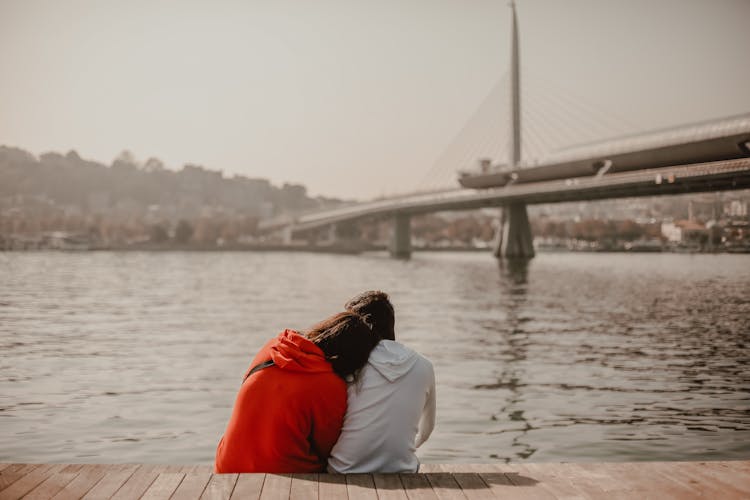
<point x="392" y="360"/>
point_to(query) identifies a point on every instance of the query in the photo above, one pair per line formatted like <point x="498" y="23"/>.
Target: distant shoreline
<point x="353" y="249"/>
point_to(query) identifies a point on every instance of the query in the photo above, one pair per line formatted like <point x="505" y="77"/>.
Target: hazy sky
<point x="351" y="98"/>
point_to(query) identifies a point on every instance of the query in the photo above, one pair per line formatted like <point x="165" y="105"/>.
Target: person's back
<point x="270" y="433"/>
<point x="290" y="407"/>
<point x="391" y="411"/>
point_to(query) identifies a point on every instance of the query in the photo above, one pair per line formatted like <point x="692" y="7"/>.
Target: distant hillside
<point x="129" y="187"/>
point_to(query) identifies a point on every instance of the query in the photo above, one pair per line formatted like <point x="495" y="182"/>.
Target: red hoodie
<point x="286" y="417"/>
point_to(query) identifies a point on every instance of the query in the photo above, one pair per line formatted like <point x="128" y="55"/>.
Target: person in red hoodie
<point x="290" y="408"/>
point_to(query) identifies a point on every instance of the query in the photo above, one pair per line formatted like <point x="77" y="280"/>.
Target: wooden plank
<point x="389" y="487"/>
<point x="73" y="467"/>
<point x="276" y="487"/>
<point x="332" y="486"/>
<point x="4" y="466"/>
<point x="730" y="484"/>
<point x="15" y="472"/>
<point x="248" y="486"/>
<point x="474" y="487"/>
<point x="446" y="487"/>
<point x="304" y="486"/>
<point x="685" y="479"/>
<point x="191" y="488"/>
<point x="725" y="479"/>
<point x="614" y="484"/>
<point x="19" y="469"/>
<point x="15" y="468"/>
<point x="507" y="482"/>
<point x="719" y="471"/>
<point x="137" y="483"/>
<point x="171" y="468"/>
<point x="417" y="487"/>
<point x="581" y="481"/>
<point x="110" y="483"/>
<point x="88" y="476"/>
<point x="219" y="487"/>
<point x="361" y="487"/>
<point x="201" y="469"/>
<point x="29" y="481"/>
<point x="650" y="481"/>
<point x="553" y="479"/>
<point x="643" y="480"/>
<point x="741" y="466"/>
<point x="51" y="486"/>
<point x="427" y="468"/>
<point x="163" y="486"/>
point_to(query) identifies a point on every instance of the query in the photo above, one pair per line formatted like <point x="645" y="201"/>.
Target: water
<point x="136" y="357"/>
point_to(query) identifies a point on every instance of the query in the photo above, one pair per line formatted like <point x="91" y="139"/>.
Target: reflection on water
<point x="136" y="357"/>
<point x="514" y="275"/>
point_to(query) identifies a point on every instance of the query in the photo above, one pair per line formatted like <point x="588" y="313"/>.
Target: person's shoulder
<point x="425" y="364"/>
<point x="422" y="358"/>
<point x="422" y="364"/>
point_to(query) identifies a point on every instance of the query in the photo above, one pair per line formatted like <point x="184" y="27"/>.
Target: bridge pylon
<point x="513" y="239"/>
<point x="400" y="246"/>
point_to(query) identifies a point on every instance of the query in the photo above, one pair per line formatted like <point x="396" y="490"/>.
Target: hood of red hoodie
<point x="291" y="351"/>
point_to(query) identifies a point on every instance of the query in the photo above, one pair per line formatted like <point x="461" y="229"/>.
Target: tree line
<point x="127" y="185"/>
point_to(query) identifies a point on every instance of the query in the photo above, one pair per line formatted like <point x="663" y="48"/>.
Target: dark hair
<point x="346" y="339"/>
<point x="378" y="308"/>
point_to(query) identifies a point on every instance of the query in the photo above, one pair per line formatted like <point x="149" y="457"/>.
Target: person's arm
<point x="427" y="420"/>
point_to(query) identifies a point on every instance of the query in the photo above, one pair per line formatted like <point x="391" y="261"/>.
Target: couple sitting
<point x="343" y="397"/>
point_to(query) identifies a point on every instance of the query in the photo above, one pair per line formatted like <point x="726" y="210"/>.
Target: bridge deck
<point x="682" y="480"/>
<point x="712" y="176"/>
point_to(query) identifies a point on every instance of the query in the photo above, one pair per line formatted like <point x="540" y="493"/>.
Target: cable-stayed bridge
<point x="560" y="159"/>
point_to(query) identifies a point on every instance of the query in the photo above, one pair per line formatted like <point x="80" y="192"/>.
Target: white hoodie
<point x="390" y="412"/>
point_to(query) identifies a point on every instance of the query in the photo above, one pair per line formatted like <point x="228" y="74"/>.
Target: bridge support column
<point x="513" y="239"/>
<point x="331" y="235"/>
<point x="401" y="239"/>
<point x="286" y="235"/>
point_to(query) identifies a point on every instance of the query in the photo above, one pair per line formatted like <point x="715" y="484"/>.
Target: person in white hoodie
<point x="391" y="406"/>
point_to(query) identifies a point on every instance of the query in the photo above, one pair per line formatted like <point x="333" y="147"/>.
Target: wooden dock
<point x="642" y="480"/>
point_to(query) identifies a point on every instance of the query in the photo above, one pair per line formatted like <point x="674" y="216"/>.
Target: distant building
<point x="736" y="208"/>
<point x="737" y="233"/>
<point x="63" y="240"/>
<point x="684" y="231"/>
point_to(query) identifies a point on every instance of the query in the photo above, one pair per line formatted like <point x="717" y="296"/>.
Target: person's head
<point x="378" y="308"/>
<point x="346" y="340"/>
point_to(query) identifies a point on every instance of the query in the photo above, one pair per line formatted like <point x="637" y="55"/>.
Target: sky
<point x="352" y="98"/>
